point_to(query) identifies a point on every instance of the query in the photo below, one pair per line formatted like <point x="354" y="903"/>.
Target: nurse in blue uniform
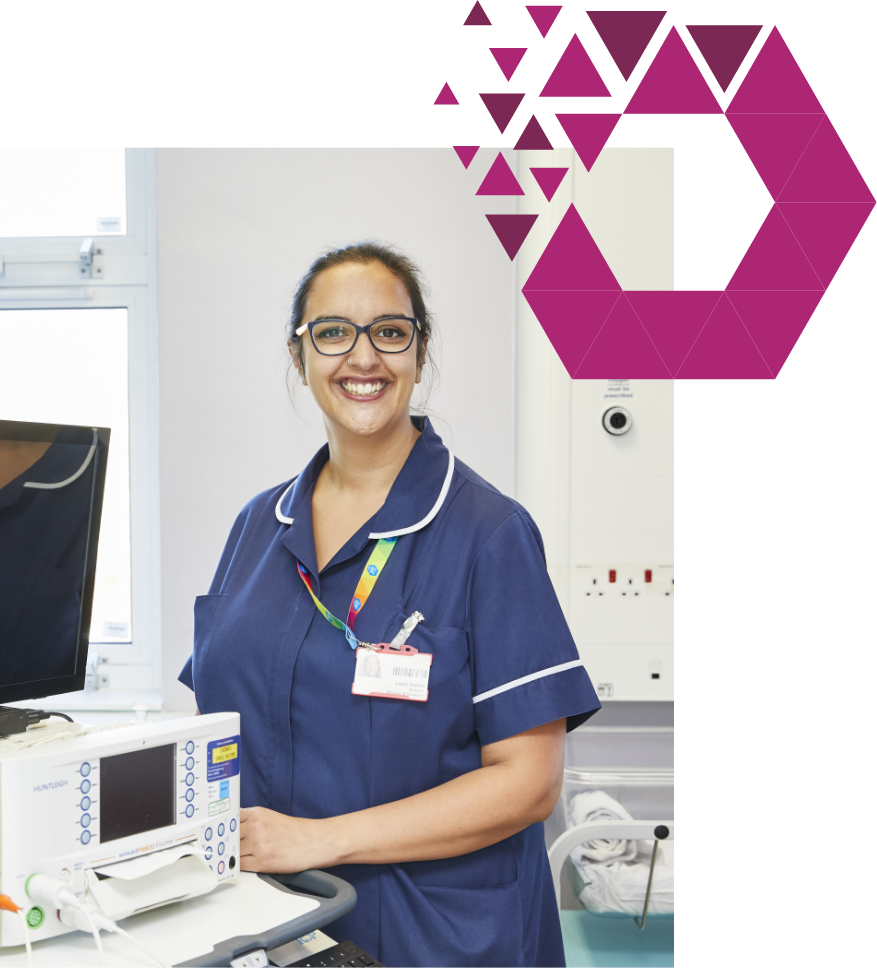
<point x="432" y="809"/>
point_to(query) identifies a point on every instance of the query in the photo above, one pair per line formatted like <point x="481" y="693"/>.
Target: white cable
<point x="25" y="928"/>
<point x="95" y="934"/>
<point x="142" y="947"/>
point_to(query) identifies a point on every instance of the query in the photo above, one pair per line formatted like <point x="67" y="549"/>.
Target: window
<point x="78" y="344"/>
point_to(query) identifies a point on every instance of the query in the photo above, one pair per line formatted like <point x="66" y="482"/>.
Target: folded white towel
<point x="593" y="806"/>
<point x="620" y="888"/>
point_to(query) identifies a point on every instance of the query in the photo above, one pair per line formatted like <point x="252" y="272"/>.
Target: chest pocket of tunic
<point x="449" y="648"/>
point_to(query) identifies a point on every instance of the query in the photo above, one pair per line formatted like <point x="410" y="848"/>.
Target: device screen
<point x="137" y="792"/>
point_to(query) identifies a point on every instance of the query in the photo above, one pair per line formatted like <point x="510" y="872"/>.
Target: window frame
<point x="43" y="273"/>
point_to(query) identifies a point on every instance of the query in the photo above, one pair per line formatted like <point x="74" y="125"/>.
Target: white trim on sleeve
<point x="525" y="679"/>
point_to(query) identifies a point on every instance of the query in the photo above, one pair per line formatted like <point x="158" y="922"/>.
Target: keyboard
<point x="346" y="954"/>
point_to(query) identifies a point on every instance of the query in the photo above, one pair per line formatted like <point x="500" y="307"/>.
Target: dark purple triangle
<point x="466" y="153"/>
<point x="723" y="48"/>
<point x="626" y="34"/>
<point x="511" y="230"/>
<point x="508" y="59"/>
<point x="549" y="179"/>
<point x="446" y="96"/>
<point x="544" y="17"/>
<point x="502" y="107"/>
<point x="533" y="138"/>
<point x="477" y="17"/>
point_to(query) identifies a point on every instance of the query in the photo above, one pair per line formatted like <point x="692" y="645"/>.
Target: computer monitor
<point x="51" y="493"/>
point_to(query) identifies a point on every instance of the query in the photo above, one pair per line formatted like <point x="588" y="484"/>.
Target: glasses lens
<point x="333" y="336"/>
<point x="391" y="335"/>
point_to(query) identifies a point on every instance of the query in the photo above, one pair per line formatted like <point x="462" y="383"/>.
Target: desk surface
<point x="177" y="932"/>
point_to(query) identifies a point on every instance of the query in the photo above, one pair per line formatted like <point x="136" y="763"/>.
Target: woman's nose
<point x="363" y="355"/>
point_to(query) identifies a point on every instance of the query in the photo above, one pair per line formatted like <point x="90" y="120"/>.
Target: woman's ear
<point x="421" y="359"/>
<point x="297" y="361"/>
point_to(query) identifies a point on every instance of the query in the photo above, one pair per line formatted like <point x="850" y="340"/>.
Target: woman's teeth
<point x="363" y="389"/>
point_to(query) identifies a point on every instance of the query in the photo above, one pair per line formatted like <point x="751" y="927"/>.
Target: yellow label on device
<point x="223" y="753"/>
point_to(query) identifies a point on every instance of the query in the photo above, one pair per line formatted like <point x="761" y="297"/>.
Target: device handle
<point x="336" y="898"/>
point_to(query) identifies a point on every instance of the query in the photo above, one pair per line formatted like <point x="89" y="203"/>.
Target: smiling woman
<point x="420" y="770"/>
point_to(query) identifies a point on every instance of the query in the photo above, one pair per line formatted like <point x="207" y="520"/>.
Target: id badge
<point x="392" y="674"/>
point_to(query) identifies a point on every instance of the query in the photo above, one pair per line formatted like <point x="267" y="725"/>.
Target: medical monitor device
<point x="51" y="493"/>
<point x="128" y="817"/>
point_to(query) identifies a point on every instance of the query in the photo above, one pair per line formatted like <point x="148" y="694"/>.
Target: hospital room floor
<point x="594" y="942"/>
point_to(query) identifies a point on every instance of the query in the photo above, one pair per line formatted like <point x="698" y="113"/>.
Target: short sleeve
<point x="219" y="580"/>
<point x="527" y="669"/>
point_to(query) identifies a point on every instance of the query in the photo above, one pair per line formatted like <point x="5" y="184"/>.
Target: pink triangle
<point x="622" y="346"/>
<point x="508" y="59"/>
<point x="626" y="34"/>
<point x="673" y="319"/>
<point x="502" y="107"/>
<point x="774" y="260"/>
<point x="446" y="96"/>
<point x="500" y="180"/>
<point x="477" y="17"/>
<point x="466" y="153"/>
<point x="533" y="138"/>
<point x="673" y="84"/>
<point x="588" y="133"/>
<point x="825" y="172"/>
<point x="549" y="179"/>
<point x="724" y="350"/>
<point x="575" y="75"/>
<point x="571" y="320"/>
<point x="724" y="47"/>
<point x="511" y="230"/>
<point x="775" y="320"/>
<point x="775" y="84"/>
<point x="571" y="260"/>
<point x="774" y="143"/>
<point x="544" y="17"/>
<point x="825" y="232"/>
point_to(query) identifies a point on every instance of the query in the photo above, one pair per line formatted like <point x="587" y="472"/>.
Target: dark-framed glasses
<point x="335" y="337"/>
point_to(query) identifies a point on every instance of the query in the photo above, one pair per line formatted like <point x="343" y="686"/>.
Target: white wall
<point x="236" y="229"/>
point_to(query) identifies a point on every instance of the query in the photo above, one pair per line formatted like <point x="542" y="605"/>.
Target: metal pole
<point x="661" y="833"/>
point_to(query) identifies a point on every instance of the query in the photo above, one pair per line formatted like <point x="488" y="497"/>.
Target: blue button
<point x="190" y="810"/>
<point x="221" y="829"/>
<point x="190" y="747"/>
<point x="190" y="779"/>
<point x="85" y="769"/>
<point x="221" y="867"/>
<point x="85" y="803"/>
<point x="208" y="833"/>
<point x="233" y="825"/>
<point x="85" y="786"/>
<point x="190" y="763"/>
<point x="220" y="849"/>
<point x="208" y="852"/>
<point x="86" y="836"/>
<point x="190" y="795"/>
<point x="85" y="820"/>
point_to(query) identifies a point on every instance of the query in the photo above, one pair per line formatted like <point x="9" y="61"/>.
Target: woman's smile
<point x="363" y="390"/>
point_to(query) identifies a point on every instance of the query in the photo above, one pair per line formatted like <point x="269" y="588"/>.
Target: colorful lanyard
<point x="370" y="574"/>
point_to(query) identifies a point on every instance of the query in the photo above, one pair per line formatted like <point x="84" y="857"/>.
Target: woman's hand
<point x="273" y="843"/>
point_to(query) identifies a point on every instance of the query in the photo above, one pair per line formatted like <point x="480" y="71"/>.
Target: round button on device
<point x="208" y="852"/>
<point x="85" y="820"/>
<point x="190" y="763"/>
<point x="190" y="747"/>
<point x="208" y="833"/>
<point x="190" y="795"/>
<point x="85" y="769"/>
<point x="220" y="849"/>
<point x="86" y="836"/>
<point x="190" y="779"/>
<point x="232" y="825"/>
<point x="85" y="786"/>
<point x="85" y="803"/>
<point x="221" y="867"/>
<point x="221" y="830"/>
<point x="190" y="810"/>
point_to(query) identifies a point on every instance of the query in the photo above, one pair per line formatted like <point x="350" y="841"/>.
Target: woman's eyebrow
<point x="346" y="319"/>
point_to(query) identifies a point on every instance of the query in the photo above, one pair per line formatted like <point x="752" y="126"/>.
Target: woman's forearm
<point x="515" y="787"/>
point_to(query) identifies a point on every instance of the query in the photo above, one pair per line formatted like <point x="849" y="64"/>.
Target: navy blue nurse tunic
<point x="471" y="560"/>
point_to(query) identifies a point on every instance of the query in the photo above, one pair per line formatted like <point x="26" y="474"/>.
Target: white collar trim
<point x="281" y="517"/>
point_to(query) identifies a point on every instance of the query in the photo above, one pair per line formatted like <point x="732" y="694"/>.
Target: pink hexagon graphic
<point x="748" y="328"/>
